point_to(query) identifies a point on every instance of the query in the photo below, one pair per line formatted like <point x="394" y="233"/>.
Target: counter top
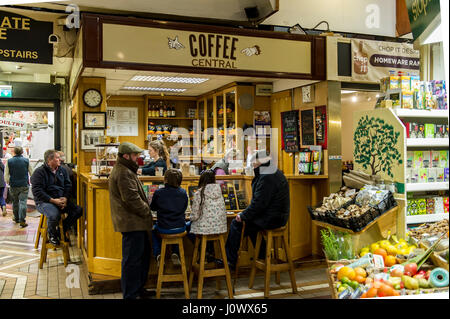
<point x="94" y="179"/>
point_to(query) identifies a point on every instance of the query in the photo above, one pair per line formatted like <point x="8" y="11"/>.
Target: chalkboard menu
<point x="289" y="121"/>
<point x="307" y="127"/>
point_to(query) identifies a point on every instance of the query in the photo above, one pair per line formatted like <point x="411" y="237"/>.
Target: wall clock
<point x="92" y="97"/>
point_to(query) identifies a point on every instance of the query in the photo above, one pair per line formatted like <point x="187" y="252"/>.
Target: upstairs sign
<point x="25" y="40"/>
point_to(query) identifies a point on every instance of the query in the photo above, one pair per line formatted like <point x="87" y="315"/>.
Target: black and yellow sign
<point x="23" y="39"/>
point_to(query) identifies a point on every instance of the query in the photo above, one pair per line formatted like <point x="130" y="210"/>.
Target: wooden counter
<point x="102" y="247"/>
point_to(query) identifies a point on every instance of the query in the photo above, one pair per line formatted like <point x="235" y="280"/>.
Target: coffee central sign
<point x="23" y="39"/>
<point x="168" y="47"/>
<point x="213" y="50"/>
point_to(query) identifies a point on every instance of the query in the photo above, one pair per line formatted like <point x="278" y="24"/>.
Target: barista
<point x="158" y="152"/>
<point x="221" y="167"/>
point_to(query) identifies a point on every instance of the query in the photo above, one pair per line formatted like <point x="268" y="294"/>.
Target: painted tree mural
<point x="375" y="145"/>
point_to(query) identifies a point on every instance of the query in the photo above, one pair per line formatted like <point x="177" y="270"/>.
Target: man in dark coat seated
<point x="52" y="189"/>
<point x="269" y="207"/>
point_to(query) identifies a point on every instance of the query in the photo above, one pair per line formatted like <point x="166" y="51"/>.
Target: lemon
<point x="413" y="247"/>
<point x="365" y="250"/>
<point x="374" y="247"/>
<point x="363" y="253"/>
<point x="391" y="250"/>
<point x="403" y="251"/>
<point x="401" y="246"/>
<point x="385" y="244"/>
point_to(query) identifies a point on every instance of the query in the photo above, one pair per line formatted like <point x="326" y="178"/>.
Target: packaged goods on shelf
<point x="415" y="94"/>
<point x="426" y="205"/>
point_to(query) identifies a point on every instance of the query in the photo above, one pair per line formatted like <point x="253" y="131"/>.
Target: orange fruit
<point x="377" y="284"/>
<point x="390" y="261"/>
<point x="359" y="271"/>
<point x="368" y="280"/>
<point x="346" y="272"/>
<point x="385" y="290"/>
<point x="395" y="293"/>
<point x="360" y="279"/>
<point x="382" y="252"/>
<point x="364" y="295"/>
<point x="372" y="292"/>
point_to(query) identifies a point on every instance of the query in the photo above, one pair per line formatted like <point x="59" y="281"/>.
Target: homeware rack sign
<point x="136" y="44"/>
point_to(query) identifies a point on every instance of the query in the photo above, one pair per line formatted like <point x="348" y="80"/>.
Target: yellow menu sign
<point x="134" y="44"/>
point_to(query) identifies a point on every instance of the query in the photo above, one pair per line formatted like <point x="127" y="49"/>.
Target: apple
<point x="396" y="273"/>
<point x="411" y="269"/>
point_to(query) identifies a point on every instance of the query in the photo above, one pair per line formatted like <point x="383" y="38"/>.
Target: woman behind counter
<point x="158" y="152"/>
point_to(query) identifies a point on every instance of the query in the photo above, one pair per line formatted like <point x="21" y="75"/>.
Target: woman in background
<point x="158" y="152"/>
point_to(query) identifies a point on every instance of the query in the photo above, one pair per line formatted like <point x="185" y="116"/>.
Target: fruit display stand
<point x="334" y="282"/>
<point x="378" y="228"/>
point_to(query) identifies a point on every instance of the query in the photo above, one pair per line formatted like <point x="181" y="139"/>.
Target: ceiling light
<point x="354" y="98"/>
<point x="170" y="79"/>
<point x="145" y="88"/>
<point x="347" y="91"/>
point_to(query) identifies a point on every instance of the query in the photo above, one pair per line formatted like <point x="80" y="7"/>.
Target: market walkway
<point x="20" y="276"/>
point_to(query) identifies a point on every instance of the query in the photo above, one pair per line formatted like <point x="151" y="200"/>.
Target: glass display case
<point x="106" y="157"/>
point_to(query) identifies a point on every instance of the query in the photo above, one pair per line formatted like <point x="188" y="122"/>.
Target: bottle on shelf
<point x="165" y="111"/>
<point x="161" y="109"/>
<point x="173" y="111"/>
<point x="155" y="110"/>
<point x="150" y="110"/>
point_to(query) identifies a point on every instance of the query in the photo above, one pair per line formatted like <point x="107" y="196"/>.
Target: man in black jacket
<point x="269" y="207"/>
<point x="51" y="189"/>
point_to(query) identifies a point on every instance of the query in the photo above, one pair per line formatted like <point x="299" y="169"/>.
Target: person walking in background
<point x="170" y="204"/>
<point x="130" y="214"/>
<point x="2" y="188"/>
<point x="161" y="158"/>
<point x="52" y="189"/>
<point x="17" y="174"/>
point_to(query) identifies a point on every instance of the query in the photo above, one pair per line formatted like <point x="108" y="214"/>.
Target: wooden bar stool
<point x="280" y="237"/>
<point x="63" y="244"/>
<point x="169" y="240"/>
<point x="238" y="263"/>
<point x="40" y="230"/>
<point x="198" y="266"/>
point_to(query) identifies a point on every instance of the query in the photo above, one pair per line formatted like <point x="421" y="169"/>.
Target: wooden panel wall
<point x="84" y="158"/>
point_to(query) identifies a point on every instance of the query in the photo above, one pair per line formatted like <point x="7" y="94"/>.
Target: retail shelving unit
<point x="425" y="143"/>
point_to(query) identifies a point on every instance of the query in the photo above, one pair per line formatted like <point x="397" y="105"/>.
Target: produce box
<point x="364" y="277"/>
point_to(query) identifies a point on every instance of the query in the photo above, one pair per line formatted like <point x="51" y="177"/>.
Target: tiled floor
<point x="20" y="276"/>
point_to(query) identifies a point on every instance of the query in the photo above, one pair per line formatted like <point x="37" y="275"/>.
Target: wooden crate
<point x="373" y="232"/>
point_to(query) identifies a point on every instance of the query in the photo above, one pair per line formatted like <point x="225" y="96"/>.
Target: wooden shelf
<point x="384" y="222"/>
<point x="423" y="187"/>
<point x="172" y="118"/>
<point x="426" y="218"/>
<point x="427" y="142"/>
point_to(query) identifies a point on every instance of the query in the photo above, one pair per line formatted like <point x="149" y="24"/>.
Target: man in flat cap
<point x="130" y="213"/>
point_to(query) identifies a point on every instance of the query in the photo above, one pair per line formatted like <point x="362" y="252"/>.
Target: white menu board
<point x="122" y="121"/>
